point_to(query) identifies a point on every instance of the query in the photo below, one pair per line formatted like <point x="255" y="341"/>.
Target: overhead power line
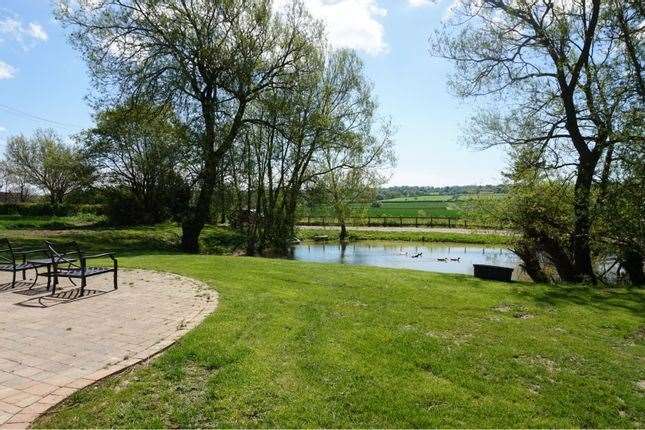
<point x="24" y="114"/>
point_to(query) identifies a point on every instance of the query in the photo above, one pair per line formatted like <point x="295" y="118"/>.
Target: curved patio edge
<point x="148" y="313"/>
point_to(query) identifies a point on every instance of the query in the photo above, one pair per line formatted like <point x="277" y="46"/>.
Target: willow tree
<point x="561" y="76"/>
<point x="208" y="59"/>
<point x="322" y="123"/>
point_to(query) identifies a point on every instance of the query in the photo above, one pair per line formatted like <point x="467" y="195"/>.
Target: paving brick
<point x="50" y="348"/>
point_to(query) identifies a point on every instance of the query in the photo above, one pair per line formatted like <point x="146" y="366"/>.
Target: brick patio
<point x="53" y="346"/>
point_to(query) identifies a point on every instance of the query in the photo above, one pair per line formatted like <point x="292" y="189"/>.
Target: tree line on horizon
<point x="397" y="191"/>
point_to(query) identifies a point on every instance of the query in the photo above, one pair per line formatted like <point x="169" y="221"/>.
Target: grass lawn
<point x="297" y="344"/>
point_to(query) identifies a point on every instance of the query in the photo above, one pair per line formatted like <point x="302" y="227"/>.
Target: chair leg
<point x="116" y="269"/>
<point x="55" y="279"/>
<point x="83" y="283"/>
<point x="35" y="278"/>
<point x="13" y="280"/>
<point x="49" y="276"/>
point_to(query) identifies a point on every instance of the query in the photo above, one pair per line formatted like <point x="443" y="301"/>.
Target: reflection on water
<point x="435" y="257"/>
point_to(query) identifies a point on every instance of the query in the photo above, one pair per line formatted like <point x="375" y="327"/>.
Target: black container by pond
<point x="494" y="273"/>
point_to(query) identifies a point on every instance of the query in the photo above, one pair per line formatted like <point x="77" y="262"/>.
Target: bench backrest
<point x="57" y="253"/>
<point x="7" y="254"/>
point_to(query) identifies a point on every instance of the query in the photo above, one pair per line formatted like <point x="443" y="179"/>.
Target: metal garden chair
<point x="77" y="268"/>
<point x="14" y="260"/>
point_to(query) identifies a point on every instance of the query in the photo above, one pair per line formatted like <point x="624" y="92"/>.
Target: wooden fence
<point x="396" y="221"/>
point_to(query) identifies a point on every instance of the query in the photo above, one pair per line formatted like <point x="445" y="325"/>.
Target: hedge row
<point x="46" y="209"/>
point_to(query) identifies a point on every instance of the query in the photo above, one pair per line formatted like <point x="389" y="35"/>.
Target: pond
<point x="434" y="257"/>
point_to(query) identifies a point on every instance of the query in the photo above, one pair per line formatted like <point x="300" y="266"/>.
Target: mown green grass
<point x="417" y="236"/>
<point x="297" y="344"/>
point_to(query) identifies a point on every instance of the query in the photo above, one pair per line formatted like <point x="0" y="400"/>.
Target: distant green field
<point x="413" y="210"/>
<point x="442" y="198"/>
<point x="426" y="209"/>
<point x="430" y="198"/>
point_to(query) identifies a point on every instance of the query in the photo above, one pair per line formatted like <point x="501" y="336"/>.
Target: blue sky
<point x="43" y="78"/>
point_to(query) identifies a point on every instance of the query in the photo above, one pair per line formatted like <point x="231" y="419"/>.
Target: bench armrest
<point x="105" y="254"/>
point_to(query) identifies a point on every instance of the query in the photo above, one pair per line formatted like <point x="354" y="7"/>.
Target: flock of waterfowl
<point x="443" y="259"/>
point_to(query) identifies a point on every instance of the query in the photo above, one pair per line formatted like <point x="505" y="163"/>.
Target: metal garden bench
<point x="77" y="268"/>
<point x="14" y="260"/>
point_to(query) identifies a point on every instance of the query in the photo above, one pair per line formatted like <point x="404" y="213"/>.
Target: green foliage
<point x="46" y="209"/>
<point x="620" y="213"/>
<point x="53" y="222"/>
<point x="141" y="151"/>
<point x="47" y="163"/>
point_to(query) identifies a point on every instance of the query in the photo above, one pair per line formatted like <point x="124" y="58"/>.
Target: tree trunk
<point x="198" y="215"/>
<point x="531" y="263"/>
<point x="343" y="231"/>
<point x="52" y="198"/>
<point x="558" y="257"/>
<point x="633" y="264"/>
<point x="196" y="218"/>
<point x="194" y="222"/>
<point x="581" y="235"/>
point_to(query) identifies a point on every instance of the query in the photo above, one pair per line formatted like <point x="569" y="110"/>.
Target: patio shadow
<point x="62" y="297"/>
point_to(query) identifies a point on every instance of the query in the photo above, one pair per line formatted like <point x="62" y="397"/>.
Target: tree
<point x="142" y="153"/>
<point x="47" y="163"/>
<point x="15" y="186"/>
<point x="207" y="59"/>
<point x="354" y="174"/>
<point x="567" y="86"/>
<point x="622" y="219"/>
<point x="318" y="124"/>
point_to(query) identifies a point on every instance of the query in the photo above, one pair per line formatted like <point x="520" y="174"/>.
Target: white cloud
<point x="25" y="34"/>
<point x="420" y="3"/>
<point x="3" y="129"/>
<point x="354" y="24"/>
<point x="6" y="71"/>
<point x="37" y="31"/>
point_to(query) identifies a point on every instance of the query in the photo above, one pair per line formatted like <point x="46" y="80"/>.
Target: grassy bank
<point x="418" y="236"/>
<point x="23" y="222"/>
<point x="161" y="237"/>
<point x="310" y="345"/>
<point x="91" y="232"/>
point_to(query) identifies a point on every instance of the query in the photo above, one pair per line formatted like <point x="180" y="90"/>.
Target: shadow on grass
<point x="602" y="299"/>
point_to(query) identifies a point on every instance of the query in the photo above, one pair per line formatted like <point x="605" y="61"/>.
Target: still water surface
<point x="459" y="258"/>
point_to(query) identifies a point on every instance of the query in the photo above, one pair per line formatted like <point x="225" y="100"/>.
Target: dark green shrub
<point x="46" y="209"/>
